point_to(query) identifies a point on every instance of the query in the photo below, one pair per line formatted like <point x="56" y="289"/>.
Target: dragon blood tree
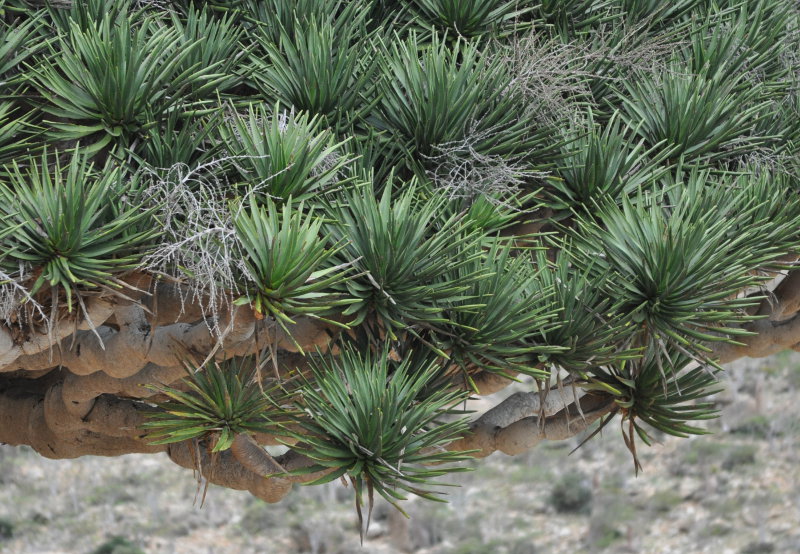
<point x="324" y="224"/>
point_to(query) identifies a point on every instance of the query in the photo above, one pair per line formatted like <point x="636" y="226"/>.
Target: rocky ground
<point x="736" y="491"/>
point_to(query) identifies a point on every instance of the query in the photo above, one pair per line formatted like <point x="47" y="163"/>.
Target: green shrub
<point x="743" y="454"/>
<point x="6" y="529"/>
<point x="118" y="545"/>
<point x="572" y="494"/>
<point x="721" y="455"/>
<point x="758" y="426"/>
<point x="759" y="547"/>
<point x="663" y="501"/>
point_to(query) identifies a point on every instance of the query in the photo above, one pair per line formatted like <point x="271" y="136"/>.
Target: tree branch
<point x="486" y="436"/>
<point x="770" y="338"/>
<point x="27" y="418"/>
<point x="785" y="301"/>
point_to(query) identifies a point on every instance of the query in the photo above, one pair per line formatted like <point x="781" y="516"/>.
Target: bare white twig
<point x="549" y="72"/>
<point x="464" y="172"/>
<point x="14" y="296"/>
<point x="199" y="234"/>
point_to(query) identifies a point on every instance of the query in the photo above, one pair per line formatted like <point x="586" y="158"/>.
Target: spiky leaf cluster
<point x="287" y="269"/>
<point x="220" y="401"/>
<point x="666" y="390"/>
<point x="75" y="226"/>
<point x="368" y="419"/>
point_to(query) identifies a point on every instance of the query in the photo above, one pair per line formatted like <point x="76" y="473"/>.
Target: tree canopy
<point x="324" y="224"/>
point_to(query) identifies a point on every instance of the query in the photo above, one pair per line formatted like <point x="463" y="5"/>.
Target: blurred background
<point x="734" y="491"/>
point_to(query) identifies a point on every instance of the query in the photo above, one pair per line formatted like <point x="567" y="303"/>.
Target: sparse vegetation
<point x="757" y="426"/>
<point x="717" y="455"/>
<point x="759" y="548"/>
<point x="663" y="501"/>
<point x="118" y="545"/>
<point x="6" y="529"/>
<point x="572" y="494"/>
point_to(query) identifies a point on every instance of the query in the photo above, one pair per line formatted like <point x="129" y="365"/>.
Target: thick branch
<point x="524" y="404"/>
<point x="113" y="428"/>
<point x="785" y="299"/>
<point x="24" y="420"/>
<point x="488" y="437"/>
<point x="98" y="310"/>
<point x="169" y="304"/>
<point x="95" y="311"/>
<point x="251" y="455"/>
<point x="490" y="383"/>
<point x="121" y="354"/>
<point x="770" y="338"/>
<point x="225" y="470"/>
